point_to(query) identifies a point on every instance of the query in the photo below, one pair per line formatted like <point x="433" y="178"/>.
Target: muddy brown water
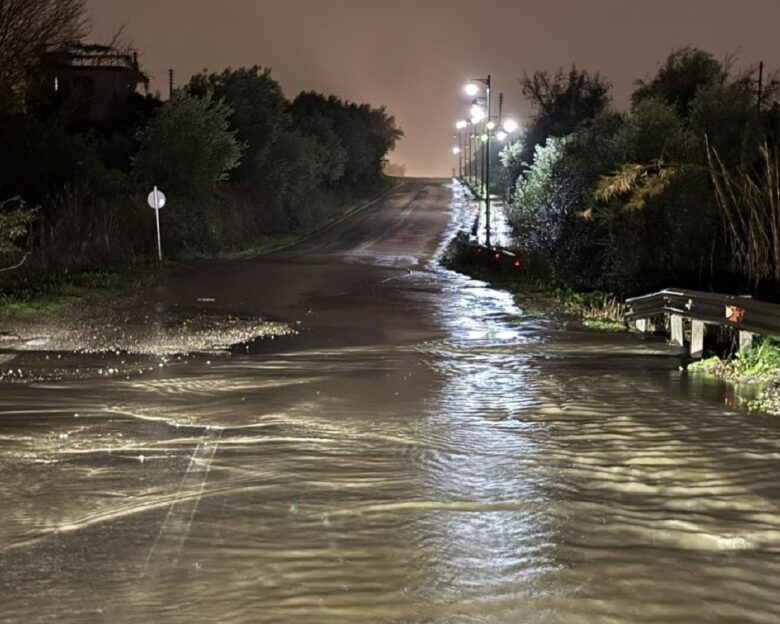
<point x="418" y="452"/>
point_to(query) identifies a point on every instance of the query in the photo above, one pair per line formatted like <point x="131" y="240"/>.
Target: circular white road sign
<point x="156" y="199"/>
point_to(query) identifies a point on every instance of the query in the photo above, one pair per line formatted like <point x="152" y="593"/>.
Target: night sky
<point x="413" y="55"/>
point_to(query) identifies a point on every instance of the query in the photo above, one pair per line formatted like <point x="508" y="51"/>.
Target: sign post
<point x="156" y="201"/>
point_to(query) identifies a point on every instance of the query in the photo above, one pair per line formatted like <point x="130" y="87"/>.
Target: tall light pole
<point x="460" y="127"/>
<point x="472" y="89"/>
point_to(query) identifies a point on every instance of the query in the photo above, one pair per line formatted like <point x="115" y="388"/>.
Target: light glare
<point x="461" y="124"/>
<point x="471" y="89"/>
<point x="510" y="126"/>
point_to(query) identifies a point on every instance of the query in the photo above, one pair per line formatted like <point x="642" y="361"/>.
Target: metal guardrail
<point x="741" y="313"/>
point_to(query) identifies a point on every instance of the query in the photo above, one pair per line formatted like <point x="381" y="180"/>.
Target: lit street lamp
<point x="456" y="151"/>
<point x="477" y="113"/>
<point x="461" y="148"/>
<point x="472" y="89"/>
<point x="510" y="126"/>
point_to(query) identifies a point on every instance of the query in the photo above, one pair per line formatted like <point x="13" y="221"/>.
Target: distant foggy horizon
<point x="413" y="57"/>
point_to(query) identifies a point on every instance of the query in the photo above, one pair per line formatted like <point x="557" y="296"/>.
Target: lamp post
<point x="484" y="128"/>
<point x="460" y="126"/>
<point x="472" y="89"/>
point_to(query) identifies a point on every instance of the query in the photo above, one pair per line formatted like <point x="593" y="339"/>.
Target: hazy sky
<point x="414" y="55"/>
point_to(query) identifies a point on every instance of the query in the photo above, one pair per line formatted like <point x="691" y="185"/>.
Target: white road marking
<point x="170" y="540"/>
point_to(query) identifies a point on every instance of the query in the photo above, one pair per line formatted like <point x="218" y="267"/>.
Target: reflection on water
<point x="492" y="472"/>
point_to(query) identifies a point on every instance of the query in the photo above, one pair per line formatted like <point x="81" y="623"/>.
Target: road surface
<point x="418" y="450"/>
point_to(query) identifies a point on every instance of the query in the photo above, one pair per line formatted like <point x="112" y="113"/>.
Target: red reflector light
<point x="517" y="263"/>
<point x="498" y="256"/>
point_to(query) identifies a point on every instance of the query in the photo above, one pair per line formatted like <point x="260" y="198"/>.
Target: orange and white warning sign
<point x="734" y="314"/>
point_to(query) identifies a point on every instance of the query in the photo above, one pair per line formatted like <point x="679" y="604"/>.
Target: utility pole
<point x="473" y="155"/>
<point x="482" y="162"/>
<point x="760" y="83"/>
<point x="170" y="83"/>
<point x="462" y="154"/>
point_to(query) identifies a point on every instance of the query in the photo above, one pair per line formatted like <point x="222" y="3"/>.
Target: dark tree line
<point x="237" y="160"/>
<point x="629" y="202"/>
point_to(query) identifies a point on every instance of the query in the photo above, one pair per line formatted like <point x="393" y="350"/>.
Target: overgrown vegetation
<point x="758" y="367"/>
<point x="241" y="165"/>
<point x="49" y="293"/>
<point x="681" y="190"/>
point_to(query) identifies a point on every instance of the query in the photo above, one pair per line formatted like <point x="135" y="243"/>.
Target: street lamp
<point x="510" y="126"/>
<point x="461" y="125"/>
<point x="456" y="152"/>
<point x="477" y="113"/>
<point x="471" y="89"/>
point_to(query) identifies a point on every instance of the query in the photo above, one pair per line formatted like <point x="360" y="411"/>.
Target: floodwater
<point x="418" y="451"/>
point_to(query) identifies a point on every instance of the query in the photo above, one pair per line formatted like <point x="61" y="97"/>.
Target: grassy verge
<point x="759" y="367"/>
<point x="272" y="242"/>
<point x="595" y="310"/>
<point x="47" y="294"/>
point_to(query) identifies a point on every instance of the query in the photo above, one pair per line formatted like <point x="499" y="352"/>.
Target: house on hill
<point x="100" y="79"/>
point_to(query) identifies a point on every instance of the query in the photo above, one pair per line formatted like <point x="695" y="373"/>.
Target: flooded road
<point x="418" y="451"/>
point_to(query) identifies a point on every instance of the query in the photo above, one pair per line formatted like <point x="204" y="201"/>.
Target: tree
<point x="188" y="147"/>
<point x="683" y="73"/>
<point x="296" y="169"/>
<point x="512" y="165"/>
<point x="561" y="102"/>
<point x="311" y="118"/>
<point x="30" y="27"/>
<point x="366" y="134"/>
<point x="15" y="218"/>
<point x="530" y="209"/>
<point x="258" y="114"/>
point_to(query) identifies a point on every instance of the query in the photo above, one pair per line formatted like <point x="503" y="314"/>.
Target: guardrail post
<point x="697" y="339"/>
<point x="677" y="329"/>
<point x="745" y="341"/>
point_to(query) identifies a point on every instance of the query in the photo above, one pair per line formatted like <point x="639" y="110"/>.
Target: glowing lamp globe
<point x="477" y="114"/>
<point x="510" y="126"/>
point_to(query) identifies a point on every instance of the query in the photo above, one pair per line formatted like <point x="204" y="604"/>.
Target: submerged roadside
<point x="754" y="375"/>
<point x="753" y="378"/>
<point x="596" y="310"/>
<point x="117" y="310"/>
